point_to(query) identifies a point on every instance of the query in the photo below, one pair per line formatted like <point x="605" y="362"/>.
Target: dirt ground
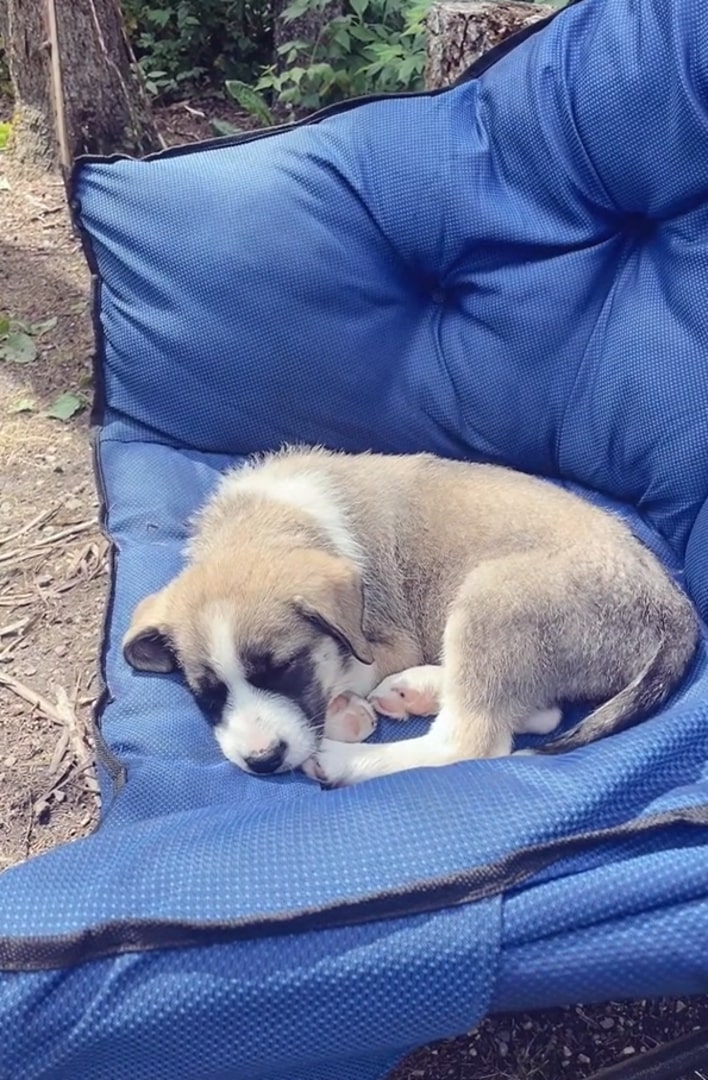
<point x="53" y="579"/>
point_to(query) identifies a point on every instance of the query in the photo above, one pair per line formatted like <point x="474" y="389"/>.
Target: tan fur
<point x="525" y="595"/>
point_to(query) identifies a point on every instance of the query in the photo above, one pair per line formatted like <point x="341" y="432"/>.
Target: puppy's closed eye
<point x="286" y="676"/>
<point x="211" y="695"/>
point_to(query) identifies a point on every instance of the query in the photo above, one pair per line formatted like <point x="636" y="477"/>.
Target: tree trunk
<point x="84" y="97"/>
<point x="459" y="31"/>
<point x="307" y="27"/>
<point x="3" y="25"/>
<point x="28" y="63"/>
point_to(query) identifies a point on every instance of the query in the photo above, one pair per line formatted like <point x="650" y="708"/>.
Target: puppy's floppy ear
<point x="334" y="600"/>
<point x="147" y="645"/>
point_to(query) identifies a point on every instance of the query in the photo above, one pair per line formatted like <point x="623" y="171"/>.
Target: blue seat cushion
<point x="308" y="924"/>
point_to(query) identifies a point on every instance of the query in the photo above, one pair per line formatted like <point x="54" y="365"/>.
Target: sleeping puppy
<point x="320" y="586"/>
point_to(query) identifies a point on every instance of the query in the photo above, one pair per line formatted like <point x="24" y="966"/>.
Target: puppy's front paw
<point x="349" y="719"/>
<point x="542" y="722"/>
<point x="415" y="692"/>
<point x="335" y="764"/>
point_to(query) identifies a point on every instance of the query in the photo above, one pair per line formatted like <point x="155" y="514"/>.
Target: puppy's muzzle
<point x="268" y="760"/>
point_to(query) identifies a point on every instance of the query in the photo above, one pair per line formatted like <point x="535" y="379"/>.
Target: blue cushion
<point x="514" y="270"/>
<point x="493" y="272"/>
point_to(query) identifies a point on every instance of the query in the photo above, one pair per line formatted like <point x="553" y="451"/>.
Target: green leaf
<point x="250" y="100"/>
<point x="5" y="130"/>
<point x="269" y="81"/>
<point x="321" y="71"/>
<point x="375" y="68"/>
<point x="361" y="33"/>
<point x="42" y="327"/>
<point x="24" y="404"/>
<point x="158" y="16"/>
<point x="296" y="75"/>
<point x="4" y="325"/>
<point x="18" y="348"/>
<point x="65" y="406"/>
<point x="223" y="127"/>
<point x="295" y="10"/>
<point x="343" y="38"/>
<point x="408" y="68"/>
<point x="359" y="6"/>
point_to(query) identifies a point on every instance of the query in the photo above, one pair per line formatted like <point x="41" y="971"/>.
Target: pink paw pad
<point x="400" y="701"/>
<point x="349" y="719"/>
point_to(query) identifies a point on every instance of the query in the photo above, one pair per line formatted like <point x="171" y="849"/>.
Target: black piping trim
<point x="120" y="937"/>
<point x="110" y="762"/>
<point x="113" y="766"/>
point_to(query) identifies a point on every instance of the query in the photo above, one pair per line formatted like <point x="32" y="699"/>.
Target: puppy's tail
<point x="646" y="692"/>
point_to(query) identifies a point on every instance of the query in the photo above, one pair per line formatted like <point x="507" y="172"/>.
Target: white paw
<point x="349" y="719"/>
<point x="335" y="764"/>
<point x="542" y="722"/>
<point x="524" y="753"/>
<point x="415" y="692"/>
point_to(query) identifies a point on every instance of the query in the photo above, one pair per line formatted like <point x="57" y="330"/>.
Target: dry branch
<point x="37" y="701"/>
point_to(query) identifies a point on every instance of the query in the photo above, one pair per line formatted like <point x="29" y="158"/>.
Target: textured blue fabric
<point x="497" y="271"/>
<point x="516" y="270"/>
<point x="190" y="837"/>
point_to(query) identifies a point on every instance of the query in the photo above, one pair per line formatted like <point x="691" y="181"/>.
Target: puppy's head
<point x="262" y="640"/>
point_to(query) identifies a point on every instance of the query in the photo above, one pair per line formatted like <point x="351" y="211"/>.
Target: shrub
<point x="185" y="43"/>
<point x="375" y="46"/>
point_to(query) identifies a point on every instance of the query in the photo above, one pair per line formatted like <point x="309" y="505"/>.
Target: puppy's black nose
<point x="269" y="759"/>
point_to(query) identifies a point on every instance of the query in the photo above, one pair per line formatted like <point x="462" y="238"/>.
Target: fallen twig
<point x="194" y="112"/>
<point x="59" y="751"/>
<point x="21" y="600"/>
<point x="39" y="547"/>
<point x="15" y="628"/>
<point x="43" y="516"/>
<point x="67" y="713"/>
<point x="37" y="701"/>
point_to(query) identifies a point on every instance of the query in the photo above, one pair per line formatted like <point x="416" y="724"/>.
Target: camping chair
<point x="512" y="270"/>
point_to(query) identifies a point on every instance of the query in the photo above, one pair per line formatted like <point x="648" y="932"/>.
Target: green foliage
<point x="250" y="100"/>
<point x="18" y="340"/>
<point x="181" y="44"/>
<point x="66" y="405"/>
<point x="223" y="127"/>
<point x="375" y="46"/>
<point x="5" y="130"/>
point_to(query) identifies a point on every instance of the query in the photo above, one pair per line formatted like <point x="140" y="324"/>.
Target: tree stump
<point x="75" y="83"/>
<point x="459" y="31"/>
